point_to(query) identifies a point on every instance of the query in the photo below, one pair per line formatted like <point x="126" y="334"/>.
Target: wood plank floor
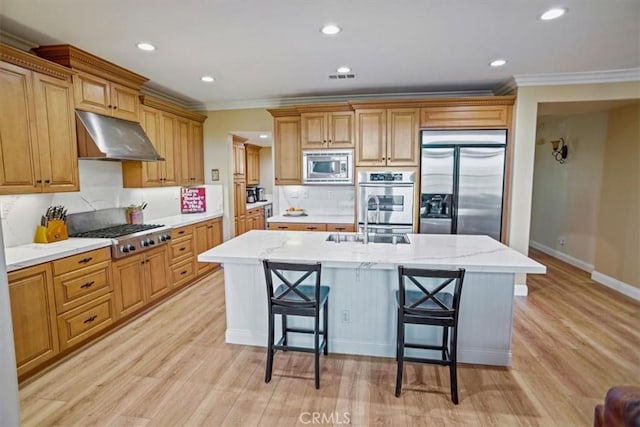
<point x="572" y="340"/>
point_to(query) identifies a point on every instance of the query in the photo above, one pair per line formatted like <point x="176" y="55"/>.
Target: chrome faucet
<point x="366" y="217"/>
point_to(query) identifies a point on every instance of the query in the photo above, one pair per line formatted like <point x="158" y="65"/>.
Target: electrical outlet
<point x="305" y="194"/>
<point x="562" y="241"/>
<point x="345" y="316"/>
<point x="294" y="194"/>
<point x="330" y="195"/>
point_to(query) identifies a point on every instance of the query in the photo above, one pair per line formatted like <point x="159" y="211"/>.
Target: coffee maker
<point x="251" y="195"/>
<point x="260" y="195"/>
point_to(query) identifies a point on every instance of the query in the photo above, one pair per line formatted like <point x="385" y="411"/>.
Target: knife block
<point x="55" y="231"/>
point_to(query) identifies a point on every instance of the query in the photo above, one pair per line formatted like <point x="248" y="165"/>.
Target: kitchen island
<point x="363" y="280"/>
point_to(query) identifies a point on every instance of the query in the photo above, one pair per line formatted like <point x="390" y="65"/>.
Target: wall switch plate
<point x="345" y="316"/>
<point x="294" y="194"/>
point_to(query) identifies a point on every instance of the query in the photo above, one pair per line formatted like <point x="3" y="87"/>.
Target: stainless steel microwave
<point x="327" y="167"/>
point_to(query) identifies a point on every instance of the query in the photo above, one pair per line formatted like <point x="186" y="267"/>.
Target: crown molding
<point x="29" y="61"/>
<point x="288" y="102"/>
<point x="582" y="77"/>
<point x="507" y="87"/>
<point x="193" y="106"/>
<point x="16" y="42"/>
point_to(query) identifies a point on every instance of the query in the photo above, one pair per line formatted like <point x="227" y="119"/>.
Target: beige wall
<point x="618" y="242"/>
<point x="525" y="118"/>
<point x="566" y="197"/>
<point x="217" y="147"/>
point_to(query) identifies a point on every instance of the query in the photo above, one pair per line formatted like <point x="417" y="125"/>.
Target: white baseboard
<point x="617" y="285"/>
<point x="582" y="265"/>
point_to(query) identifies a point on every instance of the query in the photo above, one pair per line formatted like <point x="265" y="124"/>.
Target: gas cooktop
<point x="116" y="231"/>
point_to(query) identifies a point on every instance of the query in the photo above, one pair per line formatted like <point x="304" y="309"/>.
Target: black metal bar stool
<point x="436" y="307"/>
<point x="291" y="298"/>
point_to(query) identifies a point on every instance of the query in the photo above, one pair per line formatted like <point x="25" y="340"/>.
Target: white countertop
<point x="18" y="257"/>
<point x="258" y="204"/>
<point x="314" y="219"/>
<point x="475" y="253"/>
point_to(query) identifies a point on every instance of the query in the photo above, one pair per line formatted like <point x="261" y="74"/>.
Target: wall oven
<point x="327" y="167"/>
<point x="387" y="199"/>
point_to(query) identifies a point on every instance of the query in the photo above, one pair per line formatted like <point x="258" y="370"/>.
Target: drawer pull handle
<point x="85" y="260"/>
<point x="91" y="319"/>
<point x="181" y="232"/>
<point x="182" y="248"/>
<point x="88" y="284"/>
<point x="312" y="228"/>
<point x="183" y="272"/>
<point x="283" y="228"/>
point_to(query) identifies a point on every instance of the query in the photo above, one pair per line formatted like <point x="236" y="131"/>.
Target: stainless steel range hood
<point x="107" y="138"/>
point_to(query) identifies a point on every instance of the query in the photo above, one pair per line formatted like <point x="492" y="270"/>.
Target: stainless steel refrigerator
<point x="462" y="182"/>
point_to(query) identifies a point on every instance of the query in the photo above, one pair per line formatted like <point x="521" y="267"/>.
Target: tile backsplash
<point x="100" y="188"/>
<point x="317" y="199"/>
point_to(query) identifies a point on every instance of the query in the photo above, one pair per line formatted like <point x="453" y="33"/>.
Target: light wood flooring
<point x="572" y="340"/>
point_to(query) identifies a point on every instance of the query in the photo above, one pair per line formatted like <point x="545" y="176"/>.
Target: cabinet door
<point x="253" y="165"/>
<point x="340" y="130"/>
<point x="91" y="93"/>
<point x="183" y="139"/>
<point x="313" y="130"/>
<point x="152" y="171"/>
<point x="157" y="272"/>
<point x="125" y="102"/>
<point x="466" y="116"/>
<point x="128" y="284"/>
<point x="196" y="154"/>
<point x="214" y="235"/>
<point x="238" y="160"/>
<point x="19" y="157"/>
<point x="241" y="225"/>
<point x="33" y="314"/>
<point x="171" y="154"/>
<point x="371" y="137"/>
<point x="239" y="198"/>
<point x="403" y="148"/>
<point x="202" y="242"/>
<point x="287" y="153"/>
<point x="56" y="134"/>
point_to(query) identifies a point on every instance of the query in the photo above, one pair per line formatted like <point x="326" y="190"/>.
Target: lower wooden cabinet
<point x="139" y="279"/>
<point x="254" y="219"/>
<point x="207" y="235"/>
<point x="33" y="314"/>
<point x="83" y="322"/>
<point x="343" y="228"/>
<point x="299" y="226"/>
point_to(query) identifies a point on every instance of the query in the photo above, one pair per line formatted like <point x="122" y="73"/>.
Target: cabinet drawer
<point x="181" y="249"/>
<point x="85" y="321"/>
<point x="341" y="227"/>
<point x="82" y="260"/>
<point x="182" y="273"/>
<point x="296" y="226"/>
<point x="81" y="286"/>
<point x="177" y="233"/>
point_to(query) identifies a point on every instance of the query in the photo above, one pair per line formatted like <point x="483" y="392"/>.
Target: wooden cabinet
<point x="297" y="226"/>
<point x="182" y="256"/>
<point x="466" y="116"/>
<point x="38" y="148"/>
<point x="239" y="205"/>
<point x="192" y="152"/>
<point x="80" y="286"/>
<point x="162" y="129"/>
<point x="287" y="152"/>
<point x="255" y="219"/>
<point x="387" y="137"/>
<point x="81" y="323"/>
<point x="33" y="315"/>
<point x="252" y="164"/>
<point x="239" y="158"/>
<point x="207" y="234"/>
<point x="327" y="130"/>
<point x="139" y="279"/>
<point x="99" y="95"/>
<point x="342" y="228"/>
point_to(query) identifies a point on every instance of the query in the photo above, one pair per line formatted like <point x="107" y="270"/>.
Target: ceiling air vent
<point x="341" y="76"/>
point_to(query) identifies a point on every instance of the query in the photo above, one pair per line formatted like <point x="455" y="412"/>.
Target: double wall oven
<point x="387" y="200"/>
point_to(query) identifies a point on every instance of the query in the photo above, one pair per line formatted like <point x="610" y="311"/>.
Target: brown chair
<point x="621" y="408"/>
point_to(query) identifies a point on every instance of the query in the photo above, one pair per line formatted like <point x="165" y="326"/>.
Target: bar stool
<point x="291" y="298"/>
<point x="435" y="307"/>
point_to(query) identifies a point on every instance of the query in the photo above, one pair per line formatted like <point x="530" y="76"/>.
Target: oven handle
<point x="398" y="184"/>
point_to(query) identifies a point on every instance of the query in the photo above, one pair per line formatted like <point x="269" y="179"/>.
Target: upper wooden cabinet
<point x="239" y="160"/>
<point x="177" y="139"/>
<point x="327" y="130"/>
<point x="466" y="116"/>
<point x="104" y="97"/>
<point x="38" y="148"/>
<point x="99" y="86"/>
<point x="387" y="137"/>
<point x="252" y="164"/>
<point x="287" y="152"/>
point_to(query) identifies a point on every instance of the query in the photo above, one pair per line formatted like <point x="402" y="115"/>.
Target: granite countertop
<point x="475" y="253"/>
<point x="314" y="219"/>
<point x="18" y="257"/>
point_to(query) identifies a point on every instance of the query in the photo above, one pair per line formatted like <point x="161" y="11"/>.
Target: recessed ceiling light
<point x="207" y="79"/>
<point x="264" y="136"/>
<point x="554" y="13"/>
<point x="147" y="47"/>
<point x="331" y="29"/>
<point x="498" y="63"/>
<point x="344" y="69"/>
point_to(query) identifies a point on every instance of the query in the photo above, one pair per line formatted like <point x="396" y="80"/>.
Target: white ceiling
<point x="262" y="51"/>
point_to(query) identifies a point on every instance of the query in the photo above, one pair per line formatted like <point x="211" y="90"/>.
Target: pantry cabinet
<point x="38" y="148"/>
<point x="287" y="151"/>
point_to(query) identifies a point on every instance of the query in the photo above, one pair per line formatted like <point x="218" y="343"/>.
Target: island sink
<point x="373" y="238"/>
